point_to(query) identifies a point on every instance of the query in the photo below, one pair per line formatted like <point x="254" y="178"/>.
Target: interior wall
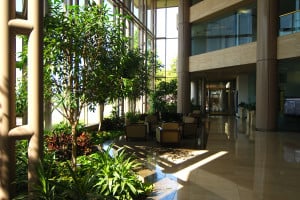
<point x="252" y="88"/>
<point x="242" y="88"/>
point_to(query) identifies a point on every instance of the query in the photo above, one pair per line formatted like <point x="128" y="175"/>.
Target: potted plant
<point x="134" y="129"/>
<point x="242" y="110"/>
<point x="131" y="118"/>
<point x="251" y="107"/>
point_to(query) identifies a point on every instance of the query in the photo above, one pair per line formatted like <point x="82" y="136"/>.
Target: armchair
<point x="137" y="131"/>
<point x="168" y="133"/>
<point x="152" y="123"/>
<point x="189" y="127"/>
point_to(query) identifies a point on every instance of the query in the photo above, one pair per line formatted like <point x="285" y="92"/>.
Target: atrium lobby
<point x="237" y="164"/>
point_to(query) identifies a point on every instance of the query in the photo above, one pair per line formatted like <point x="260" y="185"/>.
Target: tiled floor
<point x="237" y="164"/>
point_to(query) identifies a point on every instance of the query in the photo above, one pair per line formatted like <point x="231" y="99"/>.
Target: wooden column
<point x="266" y="67"/>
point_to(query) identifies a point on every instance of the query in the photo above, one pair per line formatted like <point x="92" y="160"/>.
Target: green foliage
<point x="65" y="128"/>
<point x="248" y="106"/>
<point x="132" y="117"/>
<point x="242" y="104"/>
<point x="115" y="174"/>
<point x="169" y="73"/>
<point x="112" y="124"/>
<point x="45" y="189"/>
<point x="21" y="165"/>
<point x="83" y="50"/>
<point x="164" y="98"/>
<point x="102" y="136"/>
<point x="98" y="176"/>
<point x="135" y="74"/>
<point x="21" y="97"/>
<point x="59" y="140"/>
<point x="251" y="106"/>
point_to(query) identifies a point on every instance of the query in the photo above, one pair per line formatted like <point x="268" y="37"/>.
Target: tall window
<point x="166" y="40"/>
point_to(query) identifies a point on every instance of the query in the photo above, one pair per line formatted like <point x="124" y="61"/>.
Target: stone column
<point x="266" y="67"/>
<point x="183" y="93"/>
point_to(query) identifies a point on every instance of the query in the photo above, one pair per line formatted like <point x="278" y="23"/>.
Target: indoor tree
<point x="80" y="53"/>
<point x="135" y="76"/>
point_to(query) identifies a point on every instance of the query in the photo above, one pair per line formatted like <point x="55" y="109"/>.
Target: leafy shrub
<point x="116" y="178"/>
<point x="132" y="117"/>
<point x="102" y="136"/>
<point x="21" y="165"/>
<point x="61" y="144"/>
<point x="59" y="140"/>
<point x="64" y="127"/>
<point x="112" y="124"/>
<point x="98" y="176"/>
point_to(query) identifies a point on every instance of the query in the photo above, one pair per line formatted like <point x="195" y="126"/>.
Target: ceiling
<point x="161" y="3"/>
<point x="224" y="74"/>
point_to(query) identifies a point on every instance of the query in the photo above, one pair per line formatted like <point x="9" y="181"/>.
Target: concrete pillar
<point x="194" y="92"/>
<point x="203" y="95"/>
<point x="7" y="99"/>
<point x="183" y="93"/>
<point x="266" y="67"/>
<point x="35" y="88"/>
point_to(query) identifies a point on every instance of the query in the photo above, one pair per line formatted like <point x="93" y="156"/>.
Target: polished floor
<point x="237" y="164"/>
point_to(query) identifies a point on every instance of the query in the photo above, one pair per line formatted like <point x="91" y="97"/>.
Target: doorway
<point x="220" y="98"/>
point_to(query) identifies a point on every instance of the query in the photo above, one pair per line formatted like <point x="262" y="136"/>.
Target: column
<point x="7" y="99"/>
<point x="266" y="66"/>
<point x="35" y="93"/>
<point x="183" y="93"/>
<point x="194" y="92"/>
<point x="203" y="95"/>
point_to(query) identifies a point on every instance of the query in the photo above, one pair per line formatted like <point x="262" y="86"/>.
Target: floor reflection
<point x="238" y="163"/>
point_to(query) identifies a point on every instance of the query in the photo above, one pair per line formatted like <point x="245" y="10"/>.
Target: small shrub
<point x="64" y="127"/>
<point x="112" y="124"/>
<point x="116" y="178"/>
<point x="21" y="165"/>
<point x="132" y="117"/>
<point x="102" y="136"/>
<point x="61" y="144"/>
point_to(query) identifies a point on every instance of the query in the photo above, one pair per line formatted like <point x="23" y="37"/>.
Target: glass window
<point x="149" y="43"/>
<point x="171" y="51"/>
<point x="150" y="15"/>
<point x="289" y="17"/>
<point x="161" y="51"/>
<point x="136" y="38"/>
<point x="19" y="6"/>
<point x="231" y="30"/>
<point x="172" y="22"/>
<point x="161" y="22"/>
<point x="289" y="83"/>
<point x="136" y="8"/>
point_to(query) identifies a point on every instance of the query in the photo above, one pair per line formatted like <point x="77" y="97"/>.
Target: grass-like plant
<point x="101" y="175"/>
<point x="116" y="176"/>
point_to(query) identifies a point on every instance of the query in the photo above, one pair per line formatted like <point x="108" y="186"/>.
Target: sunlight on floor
<point x="175" y="159"/>
<point x="184" y="173"/>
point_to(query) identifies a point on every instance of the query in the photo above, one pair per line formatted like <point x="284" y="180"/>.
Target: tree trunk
<point x="101" y="115"/>
<point x="74" y="146"/>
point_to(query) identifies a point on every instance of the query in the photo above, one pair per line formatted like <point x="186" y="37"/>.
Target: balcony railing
<point x="289" y="23"/>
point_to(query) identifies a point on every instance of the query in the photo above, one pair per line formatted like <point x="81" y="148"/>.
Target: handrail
<point x="289" y="13"/>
